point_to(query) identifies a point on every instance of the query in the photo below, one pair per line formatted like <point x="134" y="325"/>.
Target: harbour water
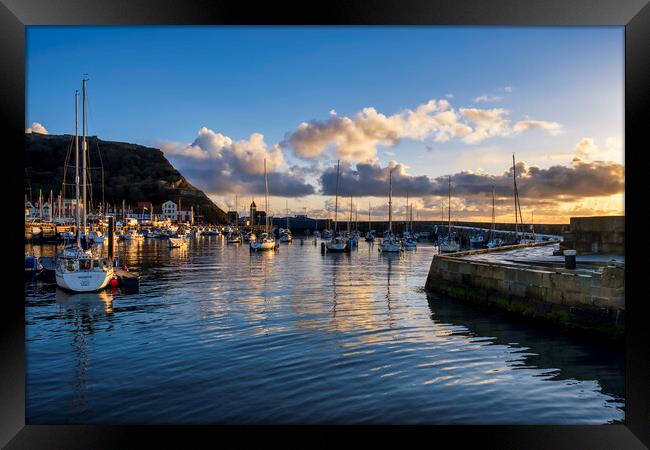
<point x="219" y="335"/>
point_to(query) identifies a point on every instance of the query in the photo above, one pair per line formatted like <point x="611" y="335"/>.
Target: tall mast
<point x="336" y="201"/>
<point x="76" y="167"/>
<point x="514" y="177"/>
<point x="350" y="219"/>
<point x="369" y="217"/>
<point x="407" y="211"/>
<point x="532" y="223"/>
<point x="266" y="200"/>
<point x="493" y="216"/>
<point x="287" y="214"/>
<point x="51" y="205"/>
<point x="83" y="157"/>
<point x="356" y="218"/>
<point x="390" y="201"/>
<point x="450" y="205"/>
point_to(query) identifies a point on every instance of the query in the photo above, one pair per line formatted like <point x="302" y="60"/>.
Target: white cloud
<point x="529" y="124"/>
<point x="36" y="128"/>
<point x="585" y="147"/>
<point x="488" y="98"/>
<point x="355" y="139"/>
<point x="507" y="88"/>
<point x="221" y="165"/>
<point x="487" y="123"/>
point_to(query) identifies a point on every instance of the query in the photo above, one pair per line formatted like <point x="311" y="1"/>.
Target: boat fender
<point x="114" y="282"/>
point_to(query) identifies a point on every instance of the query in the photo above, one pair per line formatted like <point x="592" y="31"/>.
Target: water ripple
<point x="219" y="335"/>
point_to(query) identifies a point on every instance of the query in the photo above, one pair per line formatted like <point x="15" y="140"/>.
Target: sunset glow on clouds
<point x="426" y="102"/>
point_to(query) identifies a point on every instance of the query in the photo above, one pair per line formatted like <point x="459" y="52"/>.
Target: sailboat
<point x="285" y="235"/>
<point x="494" y="241"/>
<point x="370" y="235"/>
<point x="447" y="244"/>
<point x="78" y="269"/>
<point x="264" y="241"/>
<point x="351" y="235"/>
<point x="390" y="243"/>
<point x="518" y="216"/>
<point x="410" y="243"/>
<point x="337" y="244"/>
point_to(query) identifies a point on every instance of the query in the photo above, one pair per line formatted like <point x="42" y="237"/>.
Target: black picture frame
<point x="633" y="14"/>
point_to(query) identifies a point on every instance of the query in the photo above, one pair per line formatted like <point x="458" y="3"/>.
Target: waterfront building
<point x="170" y="210"/>
<point x="253" y="211"/>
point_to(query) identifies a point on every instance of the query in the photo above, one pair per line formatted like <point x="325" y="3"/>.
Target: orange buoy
<point x="114" y="282"/>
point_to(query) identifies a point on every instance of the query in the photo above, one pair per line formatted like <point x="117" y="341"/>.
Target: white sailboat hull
<point x="263" y="246"/>
<point x="176" y="242"/>
<point x="390" y="247"/>
<point x="336" y="246"/>
<point x="410" y="245"/>
<point x="448" y="247"/>
<point x="84" y="281"/>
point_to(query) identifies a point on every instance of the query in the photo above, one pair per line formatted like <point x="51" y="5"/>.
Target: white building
<point x="170" y="210"/>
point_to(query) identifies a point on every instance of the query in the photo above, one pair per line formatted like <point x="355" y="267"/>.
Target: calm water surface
<point x="219" y="335"/>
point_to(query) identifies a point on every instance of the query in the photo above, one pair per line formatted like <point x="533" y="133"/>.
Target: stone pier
<point x="590" y="299"/>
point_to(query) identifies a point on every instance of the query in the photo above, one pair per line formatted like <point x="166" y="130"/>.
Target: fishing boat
<point x="327" y="234"/>
<point x="337" y="242"/>
<point x="316" y="233"/>
<point x="390" y="243"/>
<point x="265" y="241"/>
<point x="78" y="269"/>
<point x="448" y="244"/>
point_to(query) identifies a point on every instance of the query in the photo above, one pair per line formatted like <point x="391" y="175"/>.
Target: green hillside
<point x="131" y="172"/>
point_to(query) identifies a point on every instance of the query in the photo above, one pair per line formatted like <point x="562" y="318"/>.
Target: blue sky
<point x="162" y="84"/>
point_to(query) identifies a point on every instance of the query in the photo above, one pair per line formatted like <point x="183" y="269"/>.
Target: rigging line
<point x="66" y="165"/>
<point x="101" y="164"/>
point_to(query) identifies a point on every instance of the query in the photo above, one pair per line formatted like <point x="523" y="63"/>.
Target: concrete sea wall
<point x="595" y="235"/>
<point x="591" y="301"/>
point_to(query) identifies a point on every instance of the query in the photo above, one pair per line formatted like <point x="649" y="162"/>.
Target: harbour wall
<point x="589" y="301"/>
<point x="595" y="235"/>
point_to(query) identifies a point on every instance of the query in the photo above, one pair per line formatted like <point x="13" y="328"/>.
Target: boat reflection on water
<point x="90" y="304"/>
<point x="84" y="312"/>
